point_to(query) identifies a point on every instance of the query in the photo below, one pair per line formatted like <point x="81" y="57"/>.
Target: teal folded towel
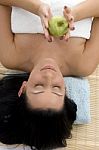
<point x="78" y="90"/>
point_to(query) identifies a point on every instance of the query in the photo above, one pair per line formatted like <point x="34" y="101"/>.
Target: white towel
<point x="23" y="21"/>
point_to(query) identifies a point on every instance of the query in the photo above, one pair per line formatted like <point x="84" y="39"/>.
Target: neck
<point x="32" y="62"/>
<point x="61" y="64"/>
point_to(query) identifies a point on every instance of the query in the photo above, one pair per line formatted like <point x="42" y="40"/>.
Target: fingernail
<point x="66" y="39"/>
<point x="46" y="27"/>
<point x="61" y="38"/>
<point x="50" y="40"/>
<point x="65" y="7"/>
<point x="71" y="19"/>
<point x="73" y="28"/>
<point x="46" y="15"/>
<point x="44" y="36"/>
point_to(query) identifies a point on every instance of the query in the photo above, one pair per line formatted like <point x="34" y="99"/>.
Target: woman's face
<point x="45" y="87"/>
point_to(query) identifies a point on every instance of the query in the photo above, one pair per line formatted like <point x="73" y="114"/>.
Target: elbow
<point x="8" y="59"/>
<point x="4" y="64"/>
<point x="7" y="64"/>
<point x="87" y="72"/>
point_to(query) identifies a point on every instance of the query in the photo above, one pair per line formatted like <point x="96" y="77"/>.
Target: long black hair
<point x="43" y="129"/>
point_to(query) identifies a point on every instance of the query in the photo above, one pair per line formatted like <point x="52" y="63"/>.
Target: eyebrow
<point x="59" y="94"/>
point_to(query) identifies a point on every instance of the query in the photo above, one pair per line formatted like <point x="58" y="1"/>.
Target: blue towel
<point x="78" y="90"/>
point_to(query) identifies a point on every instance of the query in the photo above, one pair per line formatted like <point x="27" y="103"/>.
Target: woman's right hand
<point x="45" y="14"/>
<point x="70" y="18"/>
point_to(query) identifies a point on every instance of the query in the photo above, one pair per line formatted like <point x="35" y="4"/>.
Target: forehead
<point x="45" y="100"/>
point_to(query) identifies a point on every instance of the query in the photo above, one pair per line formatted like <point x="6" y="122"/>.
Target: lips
<point x="48" y="67"/>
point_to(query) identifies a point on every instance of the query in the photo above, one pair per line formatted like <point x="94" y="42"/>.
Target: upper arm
<point x="90" y="57"/>
<point x="7" y="46"/>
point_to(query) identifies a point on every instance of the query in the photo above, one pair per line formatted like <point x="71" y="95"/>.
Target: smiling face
<point x="45" y="87"/>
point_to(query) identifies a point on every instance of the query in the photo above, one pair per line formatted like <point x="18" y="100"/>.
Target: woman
<point x="41" y="115"/>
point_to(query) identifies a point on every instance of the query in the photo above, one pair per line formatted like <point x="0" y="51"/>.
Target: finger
<point x="47" y="35"/>
<point x="52" y="38"/>
<point x="68" y="16"/>
<point x="45" y="30"/>
<point x="70" y="19"/>
<point x="45" y="21"/>
<point x="47" y="18"/>
<point x="67" y="13"/>
<point x="66" y="37"/>
<point x="67" y="9"/>
<point x="45" y="12"/>
<point x="50" y="13"/>
<point x="61" y="38"/>
<point x="71" y="24"/>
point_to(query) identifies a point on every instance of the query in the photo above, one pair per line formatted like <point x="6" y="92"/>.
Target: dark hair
<point x="19" y="124"/>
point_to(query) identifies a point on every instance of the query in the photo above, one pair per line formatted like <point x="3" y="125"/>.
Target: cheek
<point x="60" y="80"/>
<point x="34" y="77"/>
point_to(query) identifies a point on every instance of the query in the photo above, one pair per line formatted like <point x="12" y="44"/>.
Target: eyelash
<point x="57" y="86"/>
<point x="38" y="85"/>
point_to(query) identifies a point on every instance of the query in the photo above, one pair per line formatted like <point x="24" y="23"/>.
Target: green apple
<point x="58" y="26"/>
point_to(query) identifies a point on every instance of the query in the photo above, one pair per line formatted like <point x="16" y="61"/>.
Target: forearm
<point x="29" y="5"/>
<point x="86" y="9"/>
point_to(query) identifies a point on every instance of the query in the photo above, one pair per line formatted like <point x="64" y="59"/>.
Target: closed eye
<point x="56" y="87"/>
<point x="38" y="85"/>
<point x="57" y="90"/>
<point x="39" y="92"/>
<point x="59" y="94"/>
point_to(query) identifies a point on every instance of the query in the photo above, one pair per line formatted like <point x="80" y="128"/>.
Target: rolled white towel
<point x="23" y="21"/>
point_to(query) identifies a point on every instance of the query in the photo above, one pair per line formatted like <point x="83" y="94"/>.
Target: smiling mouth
<point x="48" y="67"/>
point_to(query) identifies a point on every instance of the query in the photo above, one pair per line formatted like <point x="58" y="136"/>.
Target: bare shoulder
<point x="7" y="45"/>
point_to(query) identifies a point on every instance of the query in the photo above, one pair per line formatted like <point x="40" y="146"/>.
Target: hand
<point x="69" y="17"/>
<point x="45" y="14"/>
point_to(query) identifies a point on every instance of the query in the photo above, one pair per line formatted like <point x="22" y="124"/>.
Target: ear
<point x="22" y="88"/>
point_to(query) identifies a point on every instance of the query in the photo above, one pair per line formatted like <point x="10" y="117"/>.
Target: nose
<point x="49" y="76"/>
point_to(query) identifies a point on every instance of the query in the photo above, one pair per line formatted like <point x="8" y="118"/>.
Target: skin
<point x="76" y="57"/>
<point x="46" y="85"/>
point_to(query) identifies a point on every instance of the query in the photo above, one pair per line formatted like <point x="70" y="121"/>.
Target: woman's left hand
<point x="69" y="17"/>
